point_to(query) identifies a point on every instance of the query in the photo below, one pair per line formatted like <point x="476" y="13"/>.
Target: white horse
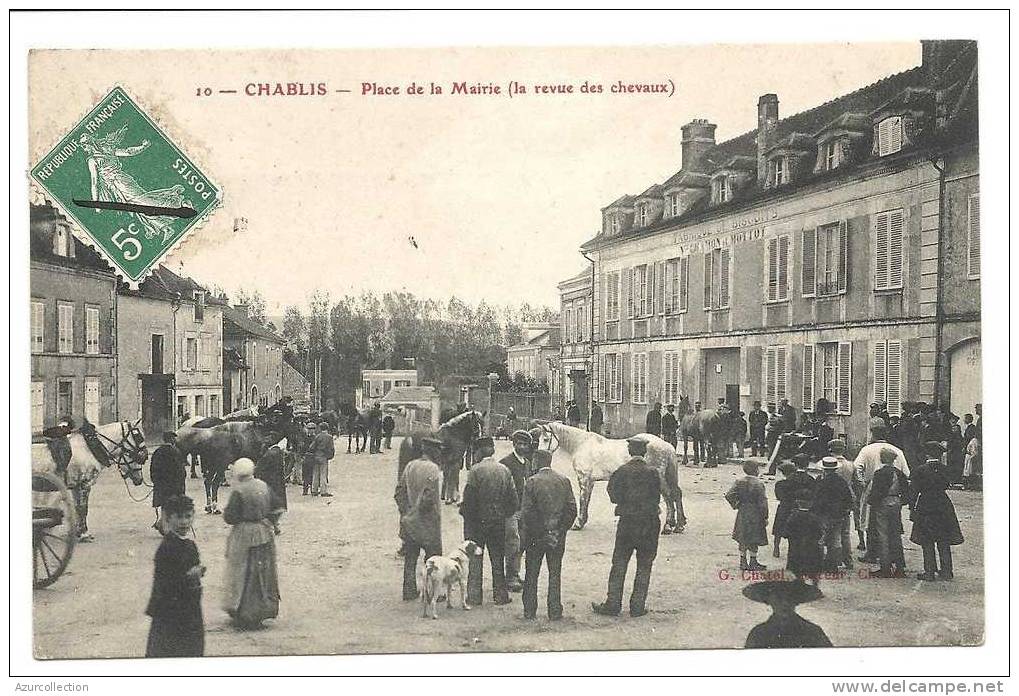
<point x="595" y="458"/>
<point x="93" y="450"/>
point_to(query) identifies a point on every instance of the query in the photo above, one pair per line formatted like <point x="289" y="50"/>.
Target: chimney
<point x="938" y="55"/>
<point x="698" y="138"/>
<point x="242" y="308"/>
<point x="767" y="124"/>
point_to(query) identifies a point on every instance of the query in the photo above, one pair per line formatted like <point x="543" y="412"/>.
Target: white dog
<point x="438" y="574"/>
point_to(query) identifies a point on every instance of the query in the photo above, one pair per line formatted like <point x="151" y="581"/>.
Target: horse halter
<point x="551" y="436"/>
<point x="127" y="454"/>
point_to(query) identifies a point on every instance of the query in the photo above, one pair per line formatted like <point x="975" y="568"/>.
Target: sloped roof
<point x="583" y="275"/>
<point x="166" y="285"/>
<point x="43" y="219"/>
<point x="290" y="363"/>
<point x="547" y="338"/>
<point x="245" y="324"/>
<point x="233" y="360"/>
<point x="410" y="395"/>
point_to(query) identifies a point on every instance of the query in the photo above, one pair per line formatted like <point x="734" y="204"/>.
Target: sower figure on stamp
<point x="935" y="524"/>
<point x="547" y="513"/>
<point x="635" y="488"/>
<point x="489" y="498"/>
<point x="417" y="498"/>
<point x="520" y="465"/>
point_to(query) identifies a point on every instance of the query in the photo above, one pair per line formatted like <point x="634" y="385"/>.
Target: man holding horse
<point x="635" y="488"/>
<point x="519" y="463"/>
<point x="168" y="474"/>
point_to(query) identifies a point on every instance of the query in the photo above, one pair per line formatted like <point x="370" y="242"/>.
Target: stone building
<point x="571" y="377"/>
<point x="833" y="253"/>
<point x="296" y="385"/>
<point x="255" y="378"/>
<point x="538" y="345"/>
<point x="170" y="339"/>
<point x="73" y="326"/>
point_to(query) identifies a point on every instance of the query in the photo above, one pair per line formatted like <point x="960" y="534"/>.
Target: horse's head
<point x="131" y="453"/>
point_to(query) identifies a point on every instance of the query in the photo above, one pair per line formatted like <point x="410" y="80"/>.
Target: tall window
<point x="38" y="327"/>
<point x="612" y="296"/>
<point x="973" y="237"/>
<point x="200" y="405"/>
<point x="674" y="205"/>
<point x="778" y="268"/>
<point x="568" y="325"/>
<point x="716" y="279"/>
<point x="825" y="260"/>
<point x="580" y="317"/>
<point x="888" y="375"/>
<point x="775" y="358"/>
<point x="835" y="362"/>
<point x="65" y="328"/>
<point x="38" y="406"/>
<point x="638" y="387"/>
<point x="65" y="398"/>
<point x="191" y="354"/>
<point x="677" y="285"/>
<point x="92" y="399"/>
<point x="199" y="298"/>
<point x="888" y="231"/>
<point x="611" y="384"/>
<point x="832" y="154"/>
<point x="92" y="330"/>
<point x="643" y="214"/>
<point x="670" y="377"/>
<point x="214" y="405"/>
<point x="779" y="171"/>
<point x="721" y="189"/>
<point x="889" y="136"/>
<point x="641" y="290"/>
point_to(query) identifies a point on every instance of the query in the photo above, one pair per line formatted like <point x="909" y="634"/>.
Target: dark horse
<point x="356" y="425"/>
<point x="458" y="436"/>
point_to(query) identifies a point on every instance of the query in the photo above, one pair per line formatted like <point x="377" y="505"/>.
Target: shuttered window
<point x="92" y="330"/>
<point x="775" y="358"/>
<point x="844" y="372"/>
<point x="888" y="232"/>
<point x="660" y="287"/>
<point x="808" y="263"/>
<point x="723" y="278"/>
<point x="580" y="317"/>
<point x="38" y="327"/>
<point x="65" y="328"/>
<point x="889" y="136"/>
<point x="638" y="383"/>
<point x="808" y="378"/>
<point x="92" y="399"/>
<point x="778" y="268"/>
<point x="831" y="259"/>
<point x="610" y="378"/>
<point x="670" y="377"/>
<point x="38" y="406"/>
<point x="612" y="296"/>
<point x="568" y="325"/>
<point x="717" y="279"/>
<point x="627" y="285"/>
<point x="708" y="274"/>
<point x="676" y="288"/>
<point x="973" y="237"/>
<point x="684" y="283"/>
<point x="888" y="375"/>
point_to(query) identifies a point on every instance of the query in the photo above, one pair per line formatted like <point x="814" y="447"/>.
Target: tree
<point x="295" y="329"/>
<point x="255" y="304"/>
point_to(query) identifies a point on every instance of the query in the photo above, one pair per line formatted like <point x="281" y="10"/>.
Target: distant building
<point x="530" y="357"/>
<point x="572" y="377"/>
<point x="255" y="377"/>
<point x="73" y="325"/>
<point x="420" y="407"/>
<point x="170" y="338"/>
<point x="376" y="383"/>
<point x="296" y="385"/>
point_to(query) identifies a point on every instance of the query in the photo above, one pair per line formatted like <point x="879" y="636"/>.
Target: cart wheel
<point x="54" y="528"/>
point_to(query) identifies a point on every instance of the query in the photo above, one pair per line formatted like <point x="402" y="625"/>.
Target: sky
<point x="482" y="197"/>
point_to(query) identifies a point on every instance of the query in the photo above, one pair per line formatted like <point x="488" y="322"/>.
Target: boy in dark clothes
<point x="785" y="494"/>
<point x="175" y="606"/>
<point x="804" y="530"/>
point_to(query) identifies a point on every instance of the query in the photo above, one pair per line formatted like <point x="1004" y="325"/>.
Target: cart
<point x="54" y="528"/>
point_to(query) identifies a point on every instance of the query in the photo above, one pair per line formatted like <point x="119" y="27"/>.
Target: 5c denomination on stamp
<point x="126" y="185"/>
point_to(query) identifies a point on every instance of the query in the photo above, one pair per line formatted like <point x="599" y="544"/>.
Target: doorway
<point x="157" y="405"/>
<point x="721" y="377"/>
<point x="157" y="354"/>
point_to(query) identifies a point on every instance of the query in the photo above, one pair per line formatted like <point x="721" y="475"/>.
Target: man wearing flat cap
<point x="935" y="524"/>
<point x="547" y="513"/>
<point x="519" y="463"/>
<point x="489" y="498"/>
<point x="417" y="497"/>
<point x="635" y="488"/>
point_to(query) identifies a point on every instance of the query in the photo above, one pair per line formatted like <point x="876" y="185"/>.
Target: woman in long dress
<point x="252" y="586"/>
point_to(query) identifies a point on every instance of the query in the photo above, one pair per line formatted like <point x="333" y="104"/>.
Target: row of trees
<point x="351" y="333"/>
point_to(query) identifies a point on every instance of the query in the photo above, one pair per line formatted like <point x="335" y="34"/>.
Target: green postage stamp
<point x="126" y="185"/>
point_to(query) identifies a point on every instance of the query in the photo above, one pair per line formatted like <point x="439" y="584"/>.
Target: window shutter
<point x="769" y="376"/>
<point x="844" y="378"/>
<point x="894" y="134"/>
<point x="622" y="363"/>
<point x="772" y="269"/>
<point x="684" y="285"/>
<point x="808" y="276"/>
<point x="660" y="286"/>
<point x="707" y="279"/>
<point x="893" y="383"/>
<point x="895" y="231"/>
<point x="627" y="291"/>
<point x="880" y="351"/>
<point x="781" y="356"/>
<point x="670" y="284"/>
<point x="843" y="268"/>
<point x="808" y="377"/>
<point x="723" y="277"/>
<point x="881" y="251"/>
<point x="973" y="237"/>
<point x="614" y="295"/>
<point x="603" y="300"/>
<point x="633" y="379"/>
<point x="783" y="267"/>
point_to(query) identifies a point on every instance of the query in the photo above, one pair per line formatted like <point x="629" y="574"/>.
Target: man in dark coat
<point x="270" y="469"/>
<point x="597" y="418"/>
<point x="653" y="422"/>
<point x="833" y="500"/>
<point x="168" y="471"/>
<point x="635" y="489"/>
<point x="788" y="415"/>
<point x="375" y="430"/>
<point x="388" y="426"/>
<point x="757" y="421"/>
<point x="519" y="463"/>
<point x="489" y="498"/>
<point x="935" y="524"/>
<point x="888" y="492"/>
<point x="670" y="425"/>
<point x="547" y="512"/>
<point x="573" y="414"/>
<point x="417" y="499"/>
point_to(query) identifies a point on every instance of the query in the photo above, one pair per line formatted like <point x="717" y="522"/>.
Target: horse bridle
<point x="127" y="451"/>
<point x="551" y="436"/>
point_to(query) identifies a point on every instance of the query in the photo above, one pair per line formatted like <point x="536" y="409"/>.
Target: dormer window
<point x="643" y="214"/>
<point x="889" y="136"/>
<point x="674" y="205"/>
<point x="832" y="155"/>
<point x="721" y="189"/>
<point x="614" y="224"/>
<point x="779" y="171"/>
<point x="199" y="297"/>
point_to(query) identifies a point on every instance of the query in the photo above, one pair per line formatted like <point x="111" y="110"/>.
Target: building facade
<point x="571" y="378"/>
<point x="296" y="385"/>
<point x="169" y="366"/>
<point x="257" y="379"/>
<point x="538" y="346"/>
<point x="834" y="254"/>
<point x="73" y="326"/>
<point x="376" y="383"/>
